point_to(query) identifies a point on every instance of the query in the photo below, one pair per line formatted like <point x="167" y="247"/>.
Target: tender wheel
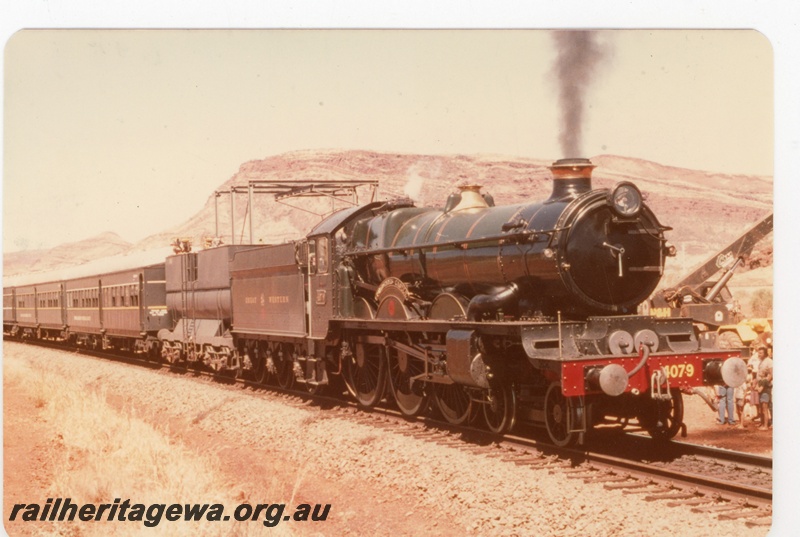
<point x="262" y="373"/>
<point x="501" y="410"/>
<point x="284" y="366"/>
<point x="454" y="402"/>
<point x="259" y="372"/>
<point x="557" y="416"/>
<point x="663" y="419"/>
<point x="366" y="368"/>
<point x="410" y="395"/>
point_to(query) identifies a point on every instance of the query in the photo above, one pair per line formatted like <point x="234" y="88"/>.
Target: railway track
<point x="735" y="485"/>
<point x="722" y="483"/>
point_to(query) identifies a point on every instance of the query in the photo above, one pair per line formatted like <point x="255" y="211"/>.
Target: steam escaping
<point x="579" y="54"/>
<point x="414" y="183"/>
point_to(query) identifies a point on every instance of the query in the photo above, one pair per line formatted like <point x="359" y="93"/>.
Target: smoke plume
<point x="579" y="54"/>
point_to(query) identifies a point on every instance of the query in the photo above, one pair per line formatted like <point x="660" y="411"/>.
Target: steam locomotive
<point x="522" y="313"/>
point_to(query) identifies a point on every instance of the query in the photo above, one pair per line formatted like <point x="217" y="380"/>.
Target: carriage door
<point x="61" y="302"/>
<point x="320" y="288"/>
<point x="140" y="302"/>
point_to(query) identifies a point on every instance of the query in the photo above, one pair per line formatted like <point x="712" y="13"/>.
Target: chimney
<point x="571" y="177"/>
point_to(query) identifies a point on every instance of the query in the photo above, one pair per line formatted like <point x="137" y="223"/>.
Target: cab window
<point x="322" y="255"/>
<point x="312" y="257"/>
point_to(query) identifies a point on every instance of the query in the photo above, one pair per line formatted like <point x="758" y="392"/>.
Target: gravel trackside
<point x="377" y="482"/>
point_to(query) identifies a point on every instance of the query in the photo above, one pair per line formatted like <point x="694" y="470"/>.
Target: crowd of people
<point x="755" y="392"/>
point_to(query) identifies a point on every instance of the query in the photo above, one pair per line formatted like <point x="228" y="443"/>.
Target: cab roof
<point x="338" y="219"/>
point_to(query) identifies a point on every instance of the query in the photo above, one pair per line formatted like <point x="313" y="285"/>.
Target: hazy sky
<point x="130" y="131"/>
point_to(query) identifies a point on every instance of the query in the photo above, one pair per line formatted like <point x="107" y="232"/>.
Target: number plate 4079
<point x="679" y="370"/>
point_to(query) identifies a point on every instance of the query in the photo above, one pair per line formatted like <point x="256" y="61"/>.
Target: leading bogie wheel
<point x="663" y="418"/>
<point x="558" y="416"/>
<point x="453" y="402"/>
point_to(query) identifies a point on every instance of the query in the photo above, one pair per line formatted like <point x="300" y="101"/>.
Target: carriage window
<point x="322" y="255"/>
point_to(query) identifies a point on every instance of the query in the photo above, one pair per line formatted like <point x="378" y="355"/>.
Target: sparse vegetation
<point x="99" y="454"/>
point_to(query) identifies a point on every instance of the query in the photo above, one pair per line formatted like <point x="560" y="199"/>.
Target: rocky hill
<point x="73" y="253"/>
<point x="706" y="210"/>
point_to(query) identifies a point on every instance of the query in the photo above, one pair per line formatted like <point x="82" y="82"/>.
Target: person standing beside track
<point x="765" y="391"/>
<point x="752" y="376"/>
<point x="725" y="398"/>
<point x="739" y="393"/>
